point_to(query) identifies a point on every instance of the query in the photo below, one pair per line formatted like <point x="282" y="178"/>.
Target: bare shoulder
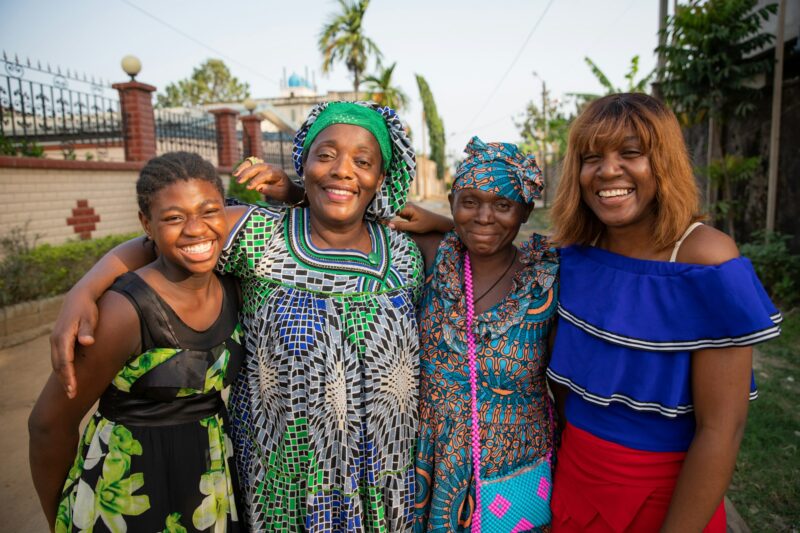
<point x="707" y="246"/>
<point x="234" y="213"/>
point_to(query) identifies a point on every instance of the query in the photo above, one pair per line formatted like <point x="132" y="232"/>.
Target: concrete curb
<point x="27" y="320"/>
<point x="736" y="523"/>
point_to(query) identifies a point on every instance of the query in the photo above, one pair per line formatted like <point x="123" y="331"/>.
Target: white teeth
<point x="201" y="248"/>
<point x="340" y="191"/>
<point x="611" y="193"/>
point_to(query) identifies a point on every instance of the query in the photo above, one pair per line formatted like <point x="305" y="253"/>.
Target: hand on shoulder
<point x="707" y="246"/>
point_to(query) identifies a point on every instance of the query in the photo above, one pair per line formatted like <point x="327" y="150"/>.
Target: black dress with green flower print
<point x="155" y="456"/>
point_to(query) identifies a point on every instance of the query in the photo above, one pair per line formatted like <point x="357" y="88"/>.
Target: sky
<point x="483" y="61"/>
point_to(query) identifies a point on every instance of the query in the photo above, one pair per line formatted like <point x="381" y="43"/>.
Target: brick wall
<point x="65" y="200"/>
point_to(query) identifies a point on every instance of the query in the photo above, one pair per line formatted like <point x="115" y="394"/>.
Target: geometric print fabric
<point x="324" y="412"/>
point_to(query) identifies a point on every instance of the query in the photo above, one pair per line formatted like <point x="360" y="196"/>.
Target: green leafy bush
<point x="241" y="193"/>
<point x="29" y="272"/>
<point x="23" y="148"/>
<point x="775" y="265"/>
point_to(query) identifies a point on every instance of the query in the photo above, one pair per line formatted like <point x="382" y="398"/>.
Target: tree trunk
<point x="356" y="83"/>
<point x="727" y="187"/>
<point x="714" y="150"/>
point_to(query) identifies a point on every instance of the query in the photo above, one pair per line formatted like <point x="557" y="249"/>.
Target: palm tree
<point x="632" y="85"/>
<point x="383" y="91"/>
<point x="343" y="39"/>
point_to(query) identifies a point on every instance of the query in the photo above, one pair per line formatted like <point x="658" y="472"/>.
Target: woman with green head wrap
<point x="324" y="413"/>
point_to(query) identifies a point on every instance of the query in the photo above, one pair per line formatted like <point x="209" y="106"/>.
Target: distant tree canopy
<point x="210" y="83"/>
<point x="435" y="126"/>
<point x="631" y="86"/>
<point x="382" y="89"/>
<point x="710" y="59"/>
<point x="537" y="133"/>
<point x="342" y="39"/>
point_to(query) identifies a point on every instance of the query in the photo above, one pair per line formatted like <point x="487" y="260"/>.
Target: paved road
<point x="23" y="372"/>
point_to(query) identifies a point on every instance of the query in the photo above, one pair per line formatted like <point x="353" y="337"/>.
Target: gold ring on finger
<point x="253" y="160"/>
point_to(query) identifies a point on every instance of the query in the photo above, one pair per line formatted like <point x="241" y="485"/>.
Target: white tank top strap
<point x="686" y="233"/>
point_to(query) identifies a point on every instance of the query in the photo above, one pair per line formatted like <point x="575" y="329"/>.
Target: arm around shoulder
<point x="54" y="422"/>
<point x="78" y="316"/>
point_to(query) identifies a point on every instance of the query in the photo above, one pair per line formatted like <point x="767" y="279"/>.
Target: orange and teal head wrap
<point x="502" y="169"/>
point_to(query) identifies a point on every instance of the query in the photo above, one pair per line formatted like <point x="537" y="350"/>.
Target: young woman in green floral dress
<point x="154" y="457"/>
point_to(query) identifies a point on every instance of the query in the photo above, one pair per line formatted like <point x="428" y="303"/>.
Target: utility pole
<point x="546" y="132"/>
<point x="662" y="41"/>
<point x="775" y="125"/>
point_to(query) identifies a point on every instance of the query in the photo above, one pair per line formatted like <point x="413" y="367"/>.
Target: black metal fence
<point x="189" y="131"/>
<point x="48" y="113"/>
<point x="277" y="148"/>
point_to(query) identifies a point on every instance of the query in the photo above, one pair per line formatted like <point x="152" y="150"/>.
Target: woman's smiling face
<point x="187" y="224"/>
<point x="485" y="222"/>
<point x="343" y="171"/>
<point x="617" y="183"/>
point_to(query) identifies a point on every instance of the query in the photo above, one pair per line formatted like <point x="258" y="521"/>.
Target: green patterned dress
<point x="324" y="413"/>
<point x="155" y="455"/>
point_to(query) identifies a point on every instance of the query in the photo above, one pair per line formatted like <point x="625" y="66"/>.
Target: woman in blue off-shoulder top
<point x="658" y="312"/>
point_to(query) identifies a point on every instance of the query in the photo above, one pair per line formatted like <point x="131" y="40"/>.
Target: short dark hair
<point x="170" y="168"/>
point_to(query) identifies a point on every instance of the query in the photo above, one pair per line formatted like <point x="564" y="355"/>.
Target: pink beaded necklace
<point x="473" y="386"/>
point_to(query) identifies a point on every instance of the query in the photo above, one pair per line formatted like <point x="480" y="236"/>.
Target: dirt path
<point x="23" y="371"/>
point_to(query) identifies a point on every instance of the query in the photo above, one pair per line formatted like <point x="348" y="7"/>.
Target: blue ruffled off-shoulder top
<point x="626" y="332"/>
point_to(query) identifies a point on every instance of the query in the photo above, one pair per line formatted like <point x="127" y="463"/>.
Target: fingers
<point x="62" y="348"/>
<point x="248" y="163"/>
<point x="243" y="165"/>
<point x="62" y="357"/>
<point x="406" y="213"/>
<point x="258" y="176"/>
<point x="400" y="225"/>
<point x="86" y="332"/>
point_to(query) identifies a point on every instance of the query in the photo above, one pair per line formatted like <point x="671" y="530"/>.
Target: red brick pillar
<point x="251" y="136"/>
<point x="227" y="147"/>
<point x="138" y="121"/>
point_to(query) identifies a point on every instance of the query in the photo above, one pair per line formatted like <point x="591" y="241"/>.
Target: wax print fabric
<point x="515" y="423"/>
<point x="325" y="411"/>
<point x="500" y="168"/>
<point x="155" y="456"/>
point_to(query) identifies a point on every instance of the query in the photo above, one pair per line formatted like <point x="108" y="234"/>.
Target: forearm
<point x="295" y="193"/>
<point x="704" y="478"/>
<point x="441" y="223"/>
<point x="125" y="257"/>
<point x="51" y="456"/>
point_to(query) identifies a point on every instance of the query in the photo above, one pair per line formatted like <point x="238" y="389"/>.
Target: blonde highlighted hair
<point x="605" y="123"/>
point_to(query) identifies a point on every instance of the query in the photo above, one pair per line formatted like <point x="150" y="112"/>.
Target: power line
<point x="198" y="41"/>
<point x="511" y="66"/>
<point x="485" y="125"/>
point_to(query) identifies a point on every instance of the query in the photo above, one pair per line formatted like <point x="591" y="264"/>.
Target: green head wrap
<point x="356" y="115"/>
<point x="388" y="130"/>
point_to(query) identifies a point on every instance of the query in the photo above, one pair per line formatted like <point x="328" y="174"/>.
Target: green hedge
<point x="30" y="273"/>
<point x="776" y="266"/>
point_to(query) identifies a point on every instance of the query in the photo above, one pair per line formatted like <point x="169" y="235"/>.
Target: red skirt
<point x="603" y="487"/>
